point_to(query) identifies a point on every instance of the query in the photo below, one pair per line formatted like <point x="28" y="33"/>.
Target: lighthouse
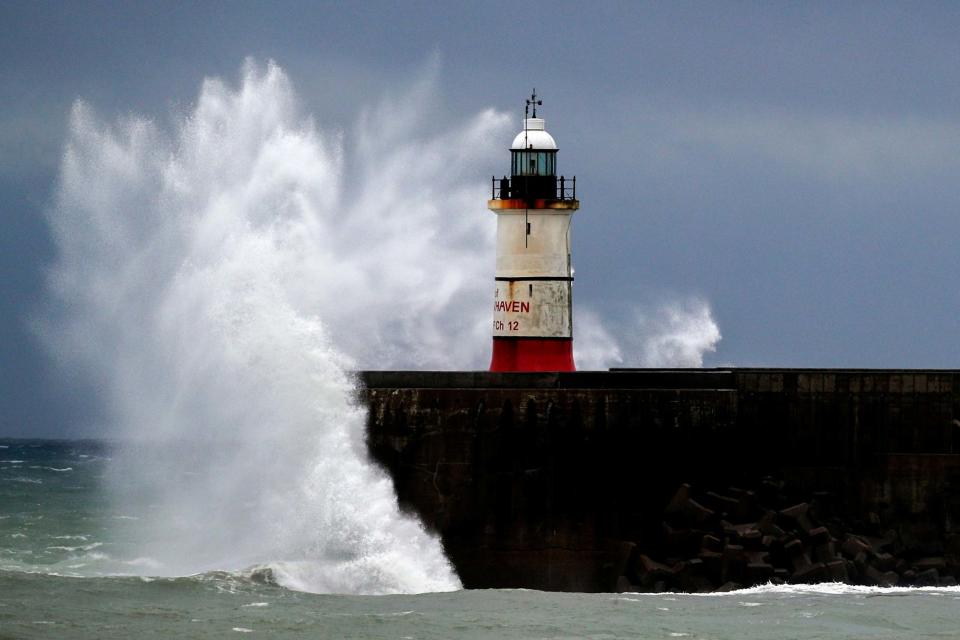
<point x="532" y="309"/>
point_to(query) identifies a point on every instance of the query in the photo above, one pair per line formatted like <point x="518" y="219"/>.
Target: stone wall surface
<point x="560" y="481"/>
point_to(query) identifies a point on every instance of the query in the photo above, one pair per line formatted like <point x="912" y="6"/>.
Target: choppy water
<point x="69" y="569"/>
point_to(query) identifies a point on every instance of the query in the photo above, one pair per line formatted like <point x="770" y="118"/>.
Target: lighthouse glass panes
<point x="534" y="163"/>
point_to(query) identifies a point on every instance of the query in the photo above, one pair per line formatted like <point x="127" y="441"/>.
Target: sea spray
<point x="216" y="283"/>
<point x="674" y="332"/>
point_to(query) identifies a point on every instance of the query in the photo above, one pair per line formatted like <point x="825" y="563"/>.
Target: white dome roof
<point x="534" y="137"/>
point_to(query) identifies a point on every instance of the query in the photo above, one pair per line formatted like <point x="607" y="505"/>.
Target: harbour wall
<point x="548" y="480"/>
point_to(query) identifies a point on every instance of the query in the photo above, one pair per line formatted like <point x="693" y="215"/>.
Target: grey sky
<point x="794" y="164"/>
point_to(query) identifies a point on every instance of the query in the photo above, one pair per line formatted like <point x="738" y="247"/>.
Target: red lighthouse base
<point x="532" y="354"/>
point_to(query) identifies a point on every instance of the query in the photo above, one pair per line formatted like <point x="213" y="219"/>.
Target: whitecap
<point x="256" y="604"/>
<point x="87" y="547"/>
<point x="792" y="590"/>
<point x="243" y="630"/>
<point x="149" y="563"/>
<point x="826" y="589"/>
<point x="26" y="480"/>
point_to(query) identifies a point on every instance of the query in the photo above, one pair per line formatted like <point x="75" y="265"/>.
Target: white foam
<point x="394" y="614"/>
<point x="147" y="563"/>
<point x="838" y="588"/>
<point x="218" y="280"/>
<point x="87" y="547"/>
<point x="825" y="589"/>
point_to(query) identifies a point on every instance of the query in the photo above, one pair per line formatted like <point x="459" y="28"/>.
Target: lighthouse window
<point x="533" y="163"/>
<point x="542" y="159"/>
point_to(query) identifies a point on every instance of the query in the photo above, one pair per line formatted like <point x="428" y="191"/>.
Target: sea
<point x="70" y="569"/>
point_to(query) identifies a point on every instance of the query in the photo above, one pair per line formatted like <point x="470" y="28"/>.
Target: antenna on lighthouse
<point x="533" y="102"/>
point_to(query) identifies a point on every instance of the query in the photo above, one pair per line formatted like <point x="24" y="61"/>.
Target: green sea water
<point x="69" y="570"/>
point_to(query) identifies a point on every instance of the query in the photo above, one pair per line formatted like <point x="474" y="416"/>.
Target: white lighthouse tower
<point x="532" y="313"/>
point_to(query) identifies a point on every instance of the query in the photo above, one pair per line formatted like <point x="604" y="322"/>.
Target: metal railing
<point x="519" y="187"/>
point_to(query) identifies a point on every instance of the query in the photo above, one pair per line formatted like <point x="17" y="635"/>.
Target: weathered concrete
<point x="546" y="480"/>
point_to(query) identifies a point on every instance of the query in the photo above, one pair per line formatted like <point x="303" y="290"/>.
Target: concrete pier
<point x="552" y="480"/>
